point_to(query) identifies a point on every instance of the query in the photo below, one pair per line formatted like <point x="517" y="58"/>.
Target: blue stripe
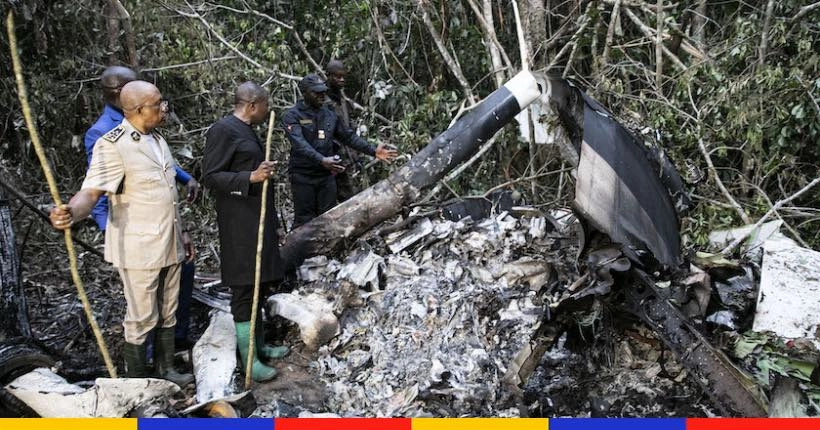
<point x="617" y="424"/>
<point x="205" y="424"/>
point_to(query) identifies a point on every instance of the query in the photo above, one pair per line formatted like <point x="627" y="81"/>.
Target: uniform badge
<point x="135" y="135"/>
<point x="114" y="134"/>
<point x="321" y="134"/>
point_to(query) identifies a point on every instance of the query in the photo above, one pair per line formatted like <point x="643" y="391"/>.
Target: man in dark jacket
<point x="234" y="169"/>
<point x="338" y="102"/>
<point x="312" y="129"/>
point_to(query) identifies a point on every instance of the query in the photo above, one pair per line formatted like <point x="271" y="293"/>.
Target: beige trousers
<point x="151" y="300"/>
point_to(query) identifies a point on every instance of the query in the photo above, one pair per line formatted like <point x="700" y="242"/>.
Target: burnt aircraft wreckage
<point x="461" y="311"/>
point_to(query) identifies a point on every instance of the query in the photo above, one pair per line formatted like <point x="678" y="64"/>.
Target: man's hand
<point x="334" y="164"/>
<point x="386" y="153"/>
<point x="263" y="172"/>
<point x="192" y="190"/>
<point x="61" y="217"/>
<point x="188" y="244"/>
<point x="280" y="232"/>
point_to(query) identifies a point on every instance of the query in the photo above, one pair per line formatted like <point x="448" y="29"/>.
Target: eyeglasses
<point x="163" y="104"/>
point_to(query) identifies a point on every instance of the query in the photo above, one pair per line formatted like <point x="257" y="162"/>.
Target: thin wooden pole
<point x="258" y="273"/>
<point x="55" y="195"/>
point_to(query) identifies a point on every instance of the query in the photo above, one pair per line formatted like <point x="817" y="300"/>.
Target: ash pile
<point x="433" y="316"/>
<point x="450" y="316"/>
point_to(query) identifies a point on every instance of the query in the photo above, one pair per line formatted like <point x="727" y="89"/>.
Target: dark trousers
<point x="312" y="196"/>
<point x="344" y="186"/>
<point x="186" y="291"/>
<point x="242" y="300"/>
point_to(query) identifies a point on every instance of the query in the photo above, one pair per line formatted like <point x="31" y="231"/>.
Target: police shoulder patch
<point x="115" y="134"/>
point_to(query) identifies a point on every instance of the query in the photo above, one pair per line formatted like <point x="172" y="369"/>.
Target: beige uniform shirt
<point x="143" y="222"/>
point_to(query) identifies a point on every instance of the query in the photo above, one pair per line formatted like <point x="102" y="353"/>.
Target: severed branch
<point x="771" y="211"/>
<point x="455" y="69"/>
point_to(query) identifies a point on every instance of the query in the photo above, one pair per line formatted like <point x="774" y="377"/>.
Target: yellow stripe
<point x="480" y="424"/>
<point x="68" y="423"/>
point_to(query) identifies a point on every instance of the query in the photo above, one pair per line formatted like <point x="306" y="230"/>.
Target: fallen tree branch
<point x="763" y="219"/>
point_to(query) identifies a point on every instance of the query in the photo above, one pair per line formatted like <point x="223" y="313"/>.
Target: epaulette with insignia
<point x="115" y="134"/>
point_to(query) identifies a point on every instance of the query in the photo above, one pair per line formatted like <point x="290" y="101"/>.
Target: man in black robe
<point x="234" y="169"/>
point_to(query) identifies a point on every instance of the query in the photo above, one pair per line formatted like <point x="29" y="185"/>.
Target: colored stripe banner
<point x="618" y="424"/>
<point x="68" y="423"/>
<point x="753" y="424"/>
<point x="342" y="424"/>
<point x="480" y="424"/>
<point x="411" y="424"/>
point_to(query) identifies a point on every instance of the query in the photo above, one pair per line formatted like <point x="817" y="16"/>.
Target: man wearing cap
<point x="312" y="128"/>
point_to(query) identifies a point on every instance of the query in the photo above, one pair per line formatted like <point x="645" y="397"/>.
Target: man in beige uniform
<point x="134" y="167"/>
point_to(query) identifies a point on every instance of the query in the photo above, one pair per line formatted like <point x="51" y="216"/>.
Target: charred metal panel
<point x="624" y="188"/>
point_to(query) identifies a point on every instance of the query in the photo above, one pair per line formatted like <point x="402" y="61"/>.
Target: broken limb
<point x="52" y="186"/>
<point x="383" y="200"/>
<point x="771" y="211"/>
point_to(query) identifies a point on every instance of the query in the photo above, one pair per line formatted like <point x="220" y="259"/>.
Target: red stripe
<point x="753" y="424"/>
<point x="342" y="424"/>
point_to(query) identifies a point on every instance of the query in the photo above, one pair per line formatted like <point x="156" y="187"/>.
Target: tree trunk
<point x="13" y="310"/>
<point x="534" y="16"/>
<point x="385" y="199"/>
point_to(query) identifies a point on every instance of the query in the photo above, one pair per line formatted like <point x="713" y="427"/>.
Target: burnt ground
<point x="615" y="367"/>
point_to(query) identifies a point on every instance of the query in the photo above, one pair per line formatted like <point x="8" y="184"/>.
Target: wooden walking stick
<point x="258" y="273"/>
<point x="52" y="186"/>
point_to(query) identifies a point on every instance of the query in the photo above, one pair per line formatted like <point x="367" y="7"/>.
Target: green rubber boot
<point x="164" y="358"/>
<point x="134" y="356"/>
<point x="268" y="352"/>
<point x="259" y="372"/>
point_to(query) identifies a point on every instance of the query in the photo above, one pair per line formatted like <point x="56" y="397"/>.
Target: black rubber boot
<point x="134" y="356"/>
<point x="164" y="358"/>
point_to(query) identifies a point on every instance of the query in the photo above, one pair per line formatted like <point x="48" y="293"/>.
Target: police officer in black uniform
<point x="312" y="129"/>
